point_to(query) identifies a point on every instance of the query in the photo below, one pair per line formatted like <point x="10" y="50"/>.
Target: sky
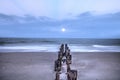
<point x="44" y="18"/>
<point x="58" y="9"/>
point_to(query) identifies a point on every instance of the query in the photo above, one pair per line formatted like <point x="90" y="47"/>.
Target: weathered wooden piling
<point x="62" y="65"/>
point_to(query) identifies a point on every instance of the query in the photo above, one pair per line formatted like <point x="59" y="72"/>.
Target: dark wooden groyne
<point x="62" y="65"/>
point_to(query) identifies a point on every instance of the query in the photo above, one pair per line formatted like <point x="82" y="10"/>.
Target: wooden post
<point x="64" y="52"/>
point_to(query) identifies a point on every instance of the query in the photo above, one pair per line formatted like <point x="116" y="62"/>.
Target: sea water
<point x="53" y="44"/>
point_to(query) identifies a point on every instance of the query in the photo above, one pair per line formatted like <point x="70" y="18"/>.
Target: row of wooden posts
<point x="64" y="59"/>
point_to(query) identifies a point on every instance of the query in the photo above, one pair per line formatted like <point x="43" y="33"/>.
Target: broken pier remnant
<point x="62" y="65"/>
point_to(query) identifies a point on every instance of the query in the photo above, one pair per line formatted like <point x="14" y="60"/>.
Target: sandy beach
<point x="40" y="65"/>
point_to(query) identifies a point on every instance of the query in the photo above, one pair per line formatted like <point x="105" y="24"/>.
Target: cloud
<point x="76" y="7"/>
<point x="13" y="19"/>
<point x="84" y="25"/>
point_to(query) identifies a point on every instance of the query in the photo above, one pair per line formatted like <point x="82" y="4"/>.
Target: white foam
<point x="35" y="48"/>
<point x="99" y="46"/>
<point x="55" y="48"/>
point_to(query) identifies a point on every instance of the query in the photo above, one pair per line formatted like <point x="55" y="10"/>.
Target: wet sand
<point x="40" y="66"/>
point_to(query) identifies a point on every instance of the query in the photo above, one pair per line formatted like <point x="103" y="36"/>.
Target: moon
<point x="63" y="29"/>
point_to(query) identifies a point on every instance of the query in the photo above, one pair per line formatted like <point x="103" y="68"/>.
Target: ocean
<point x="53" y="44"/>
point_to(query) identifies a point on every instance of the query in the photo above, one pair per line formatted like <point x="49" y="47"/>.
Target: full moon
<point x="63" y="29"/>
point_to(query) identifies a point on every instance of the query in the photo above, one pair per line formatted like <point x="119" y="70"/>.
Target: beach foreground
<point x="40" y="65"/>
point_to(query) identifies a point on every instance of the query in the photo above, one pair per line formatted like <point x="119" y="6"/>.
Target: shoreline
<point x="57" y="52"/>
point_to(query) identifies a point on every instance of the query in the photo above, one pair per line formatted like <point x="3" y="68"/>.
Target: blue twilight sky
<point x="60" y="18"/>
